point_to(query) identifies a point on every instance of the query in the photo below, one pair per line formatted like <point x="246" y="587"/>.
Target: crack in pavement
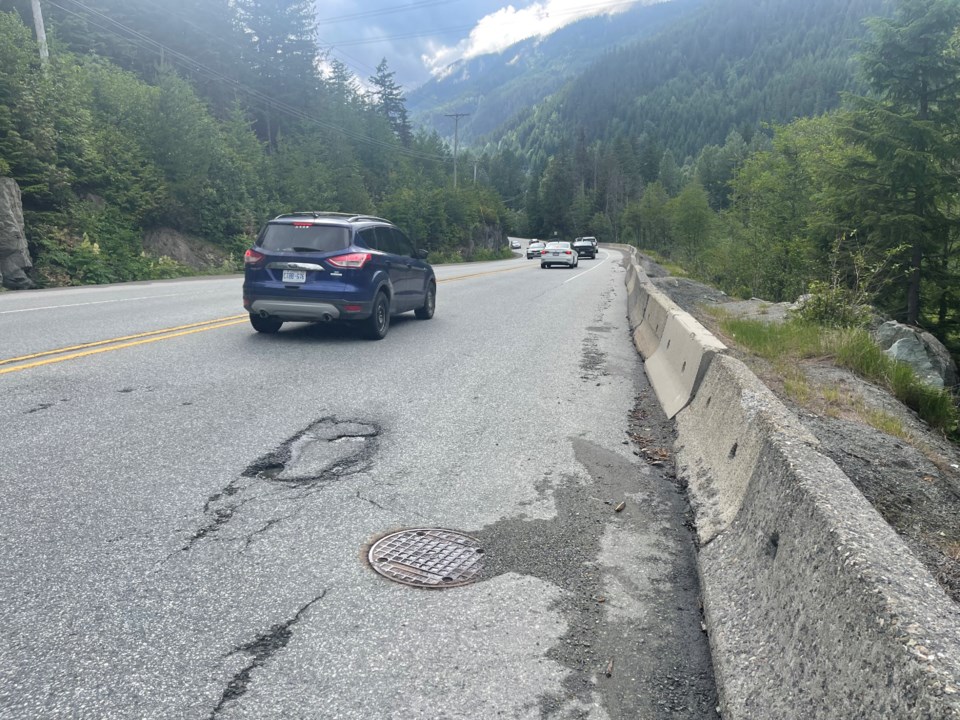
<point x="372" y="502"/>
<point x="260" y="651"/>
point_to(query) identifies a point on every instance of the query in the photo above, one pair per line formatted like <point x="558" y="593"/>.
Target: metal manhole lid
<point x="428" y="558"/>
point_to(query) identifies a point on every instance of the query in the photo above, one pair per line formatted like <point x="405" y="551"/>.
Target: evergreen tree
<point x="898" y="188"/>
<point x="282" y="55"/>
<point x="389" y="102"/>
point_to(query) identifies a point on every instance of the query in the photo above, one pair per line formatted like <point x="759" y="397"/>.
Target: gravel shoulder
<point x="913" y="482"/>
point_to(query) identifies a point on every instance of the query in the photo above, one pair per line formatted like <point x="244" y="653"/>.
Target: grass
<point x="851" y="348"/>
<point x="668" y="265"/>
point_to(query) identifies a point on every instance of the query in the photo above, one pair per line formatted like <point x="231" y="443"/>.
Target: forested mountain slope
<point x="493" y="88"/>
<point x="727" y="66"/>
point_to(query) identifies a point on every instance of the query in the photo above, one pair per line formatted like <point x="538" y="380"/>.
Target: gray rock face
<point x="920" y="350"/>
<point x="14" y="255"/>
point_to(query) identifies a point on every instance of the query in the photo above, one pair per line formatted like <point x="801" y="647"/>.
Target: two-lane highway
<point x="188" y="506"/>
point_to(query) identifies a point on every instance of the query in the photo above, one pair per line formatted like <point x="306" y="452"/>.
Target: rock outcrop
<point x="14" y="255"/>
<point x="920" y="350"/>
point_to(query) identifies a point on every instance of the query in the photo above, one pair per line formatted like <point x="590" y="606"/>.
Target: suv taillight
<point x="252" y="258"/>
<point x="353" y="260"/>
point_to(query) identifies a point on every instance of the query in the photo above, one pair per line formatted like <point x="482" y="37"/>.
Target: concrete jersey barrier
<point x="816" y="609"/>
<point x="814" y="606"/>
<point x="676" y="347"/>
<point x="681" y="360"/>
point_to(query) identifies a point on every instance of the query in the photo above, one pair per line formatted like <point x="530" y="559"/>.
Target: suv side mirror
<point x="423" y="254"/>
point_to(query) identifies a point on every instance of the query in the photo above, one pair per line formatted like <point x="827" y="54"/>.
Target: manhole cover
<point x="428" y="557"/>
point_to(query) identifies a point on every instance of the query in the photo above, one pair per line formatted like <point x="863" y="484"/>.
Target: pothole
<point x="428" y="558"/>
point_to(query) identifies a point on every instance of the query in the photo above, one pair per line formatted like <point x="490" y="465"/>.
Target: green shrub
<point x="833" y="306"/>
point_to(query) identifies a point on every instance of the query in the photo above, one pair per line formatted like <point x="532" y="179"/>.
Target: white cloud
<point x="508" y="26"/>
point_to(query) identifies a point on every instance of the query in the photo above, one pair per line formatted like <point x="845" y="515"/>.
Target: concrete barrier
<point x="681" y="360"/>
<point x="719" y="438"/>
<point x="676" y="347"/>
<point x="815" y="608"/>
<point x="656" y="307"/>
<point x="637" y="302"/>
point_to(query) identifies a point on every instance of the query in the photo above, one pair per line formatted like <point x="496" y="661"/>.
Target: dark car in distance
<point x="335" y="267"/>
<point x="585" y="247"/>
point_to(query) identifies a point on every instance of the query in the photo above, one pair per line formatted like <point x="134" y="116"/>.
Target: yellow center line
<point x="111" y="348"/>
<point x="119" y="343"/>
<point x="479" y="274"/>
<point x="60" y="351"/>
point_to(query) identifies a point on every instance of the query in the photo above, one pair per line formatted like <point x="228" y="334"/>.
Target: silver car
<point x="534" y="249"/>
<point x="559" y="253"/>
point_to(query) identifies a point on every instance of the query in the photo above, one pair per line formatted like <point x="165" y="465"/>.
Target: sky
<point x="419" y="38"/>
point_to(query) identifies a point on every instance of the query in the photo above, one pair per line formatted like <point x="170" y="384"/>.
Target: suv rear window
<point x="304" y="238"/>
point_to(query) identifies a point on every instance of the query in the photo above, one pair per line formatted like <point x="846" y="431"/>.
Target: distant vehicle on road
<point x="535" y="248"/>
<point x="585" y="248"/>
<point x="326" y="267"/>
<point x="515" y="244"/>
<point x="559" y="253"/>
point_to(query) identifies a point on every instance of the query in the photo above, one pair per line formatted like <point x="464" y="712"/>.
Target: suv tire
<point x="425" y="312"/>
<point x="376" y="326"/>
<point x="268" y="325"/>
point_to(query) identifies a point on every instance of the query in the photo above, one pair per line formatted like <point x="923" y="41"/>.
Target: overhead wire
<point x="147" y="43"/>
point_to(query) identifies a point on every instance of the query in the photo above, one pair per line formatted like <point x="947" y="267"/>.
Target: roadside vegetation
<point x="209" y="121"/>
<point x="786" y="344"/>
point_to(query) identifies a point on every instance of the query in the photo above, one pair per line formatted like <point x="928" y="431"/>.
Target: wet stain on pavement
<point x="649" y="663"/>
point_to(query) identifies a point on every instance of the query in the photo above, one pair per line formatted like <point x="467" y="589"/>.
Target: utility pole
<point x="41" y="33"/>
<point x="456" y="141"/>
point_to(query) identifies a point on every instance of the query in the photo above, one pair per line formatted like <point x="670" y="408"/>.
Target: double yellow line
<point x="480" y="274"/>
<point x="50" y="357"/>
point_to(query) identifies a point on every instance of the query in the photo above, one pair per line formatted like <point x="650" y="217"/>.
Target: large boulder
<point x="930" y="360"/>
<point x="14" y="255"/>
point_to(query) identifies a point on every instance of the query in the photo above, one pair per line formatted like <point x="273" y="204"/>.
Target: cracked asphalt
<point x="185" y="523"/>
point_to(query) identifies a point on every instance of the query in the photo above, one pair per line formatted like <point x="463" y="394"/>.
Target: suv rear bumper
<point x="304" y="311"/>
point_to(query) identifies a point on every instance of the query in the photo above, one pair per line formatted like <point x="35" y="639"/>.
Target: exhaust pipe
<point x="326" y="317"/>
<point x="264" y="314"/>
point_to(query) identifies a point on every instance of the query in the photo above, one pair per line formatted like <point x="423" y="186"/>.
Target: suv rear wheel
<point x="267" y="325"/>
<point x="375" y="327"/>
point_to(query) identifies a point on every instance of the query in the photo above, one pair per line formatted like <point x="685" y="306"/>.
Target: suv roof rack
<point x="349" y="217"/>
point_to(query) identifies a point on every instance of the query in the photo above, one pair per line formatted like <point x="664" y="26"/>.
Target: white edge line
<point x="94" y="302"/>
<point x="606" y="256"/>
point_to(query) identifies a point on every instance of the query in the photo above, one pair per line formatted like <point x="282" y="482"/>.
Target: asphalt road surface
<point x="188" y="507"/>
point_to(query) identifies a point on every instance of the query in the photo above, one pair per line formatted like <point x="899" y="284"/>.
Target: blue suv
<point x="325" y="267"/>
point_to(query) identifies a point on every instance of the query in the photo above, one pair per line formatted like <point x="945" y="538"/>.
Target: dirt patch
<point x="186" y="250"/>
<point x="911" y="475"/>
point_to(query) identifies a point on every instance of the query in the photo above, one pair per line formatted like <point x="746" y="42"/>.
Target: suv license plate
<point x="294" y="276"/>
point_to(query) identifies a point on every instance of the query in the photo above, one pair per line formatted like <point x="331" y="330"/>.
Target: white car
<point x="559" y="253"/>
<point x="515" y="244"/>
<point x="534" y="249"/>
